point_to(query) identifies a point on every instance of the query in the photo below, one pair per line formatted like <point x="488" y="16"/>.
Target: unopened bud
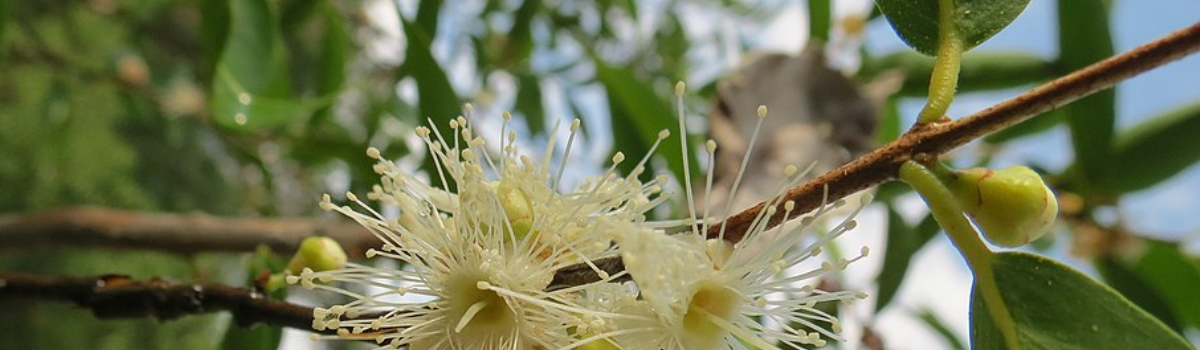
<point x="517" y="208"/>
<point x="1013" y="206"/>
<point x="318" y="254"/>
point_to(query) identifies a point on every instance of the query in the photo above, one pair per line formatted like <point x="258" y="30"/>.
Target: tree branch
<point x="936" y="138"/>
<point x="116" y="296"/>
<point x="180" y="233"/>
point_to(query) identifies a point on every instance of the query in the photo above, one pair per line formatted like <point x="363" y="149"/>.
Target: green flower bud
<point x="318" y="254"/>
<point x="517" y="207"/>
<point x="1013" y="206"/>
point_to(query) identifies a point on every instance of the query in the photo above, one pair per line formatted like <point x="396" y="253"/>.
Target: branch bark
<point x="179" y="233"/>
<point x="116" y="296"/>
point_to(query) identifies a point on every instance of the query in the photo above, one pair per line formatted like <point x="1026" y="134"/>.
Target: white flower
<point x="482" y="256"/>
<point x="707" y="294"/>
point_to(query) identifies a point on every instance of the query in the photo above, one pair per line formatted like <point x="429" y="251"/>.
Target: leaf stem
<point x="944" y="80"/>
<point x="949" y="214"/>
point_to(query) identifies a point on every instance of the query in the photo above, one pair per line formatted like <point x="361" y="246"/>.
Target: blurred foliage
<point x="255" y="107"/>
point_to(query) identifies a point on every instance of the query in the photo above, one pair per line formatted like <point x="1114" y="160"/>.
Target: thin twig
<point x="936" y="138"/>
<point x="115" y="296"/>
<point x="180" y="233"/>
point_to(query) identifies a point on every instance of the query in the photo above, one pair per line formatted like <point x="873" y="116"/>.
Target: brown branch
<point x="114" y="296"/>
<point x="884" y="163"/>
<point x="180" y="233"/>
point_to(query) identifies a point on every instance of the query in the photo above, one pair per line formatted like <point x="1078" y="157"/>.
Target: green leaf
<point x="1035" y="125"/>
<point x="1057" y="308"/>
<point x="819" y="22"/>
<point x="645" y="114"/>
<point x="941" y="329"/>
<point x="916" y="21"/>
<point x="1152" y="151"/>
<point x="436" y="97"/>
<point x="889" y="125"/>
<point x="258" y="336"/>
<point x="1084" y="38"/>
<point x="1175" y="276"/>
<point x="250" y="90"/>
<point x="520" y="37"/>
<point x="902" y="242"/>
<point x="979" y="71"/>
<point x="214" y="28"/>
<point x="1134" y="287"/>
<point x="529" y="103"/>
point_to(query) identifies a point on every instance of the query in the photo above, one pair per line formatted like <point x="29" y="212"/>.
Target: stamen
<point x="466" y="318"/>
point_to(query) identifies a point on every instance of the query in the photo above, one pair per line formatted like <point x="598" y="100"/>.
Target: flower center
<point x="708" y="312"/>
<point x="475" y="313"/>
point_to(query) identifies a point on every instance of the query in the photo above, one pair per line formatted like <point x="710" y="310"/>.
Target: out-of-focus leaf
<point x="529" y="103"/>
<point x="520" y="37"/>
<point x="889" y="122"/>
<point x="436" y="97"/>
<point x="1151" y="152"/>
<point x="819" y="22"/>
<point x="640" y="111"/>
<point x="427" y="16"/>
<point x="916" y="21"/>
<point x="1084" y="38"/>
<point x="1035" y="125"/>
<point x="236" y="108"/>
<point x="980" y="71"/>
<point x="1136" y="289"/>
<point x="214" y="27"/>
<point x="1057" y="308"/>
<point x="1175" y="276"/>
<point x="250" y="90"/>
<point x="672" y="46"/>
<point x="941" y="329"/>
<point x="903" y="241"/>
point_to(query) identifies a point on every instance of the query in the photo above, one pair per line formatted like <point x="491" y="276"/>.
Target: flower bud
<point x="318" y="254"/>
<point x="517" y="208"/>
<point x="1013" y="206"/>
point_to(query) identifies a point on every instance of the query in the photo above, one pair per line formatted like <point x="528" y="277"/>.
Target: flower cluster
<point x="478" y="259"/>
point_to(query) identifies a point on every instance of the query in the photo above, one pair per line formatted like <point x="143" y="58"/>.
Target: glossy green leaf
<point x="1175" y="276"/>
<point x="1084" y="38"/>
<point x="902" y="243"/>
<point x="645" y="114"/>
<point x="1057" y="308"/>
<point x="980" y="71"/>
<point x="939" y="327"/>
<point x="820" y="13"/>
<point x="915" y="21"/>
<point x="529" y="103"/>
<point x="1152" y="152"/>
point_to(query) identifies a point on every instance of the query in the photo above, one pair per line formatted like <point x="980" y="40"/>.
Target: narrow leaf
<point x="1152" y="151"/>
<point x="819" y="19"/>
<point x="979" y="71"/>
<point x="1084" y="38"/>
<point x="529" y="103"/>
<point x="902" y="243"/>
<point x="637" y="103"/>
<point x="1175" y="276"/>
